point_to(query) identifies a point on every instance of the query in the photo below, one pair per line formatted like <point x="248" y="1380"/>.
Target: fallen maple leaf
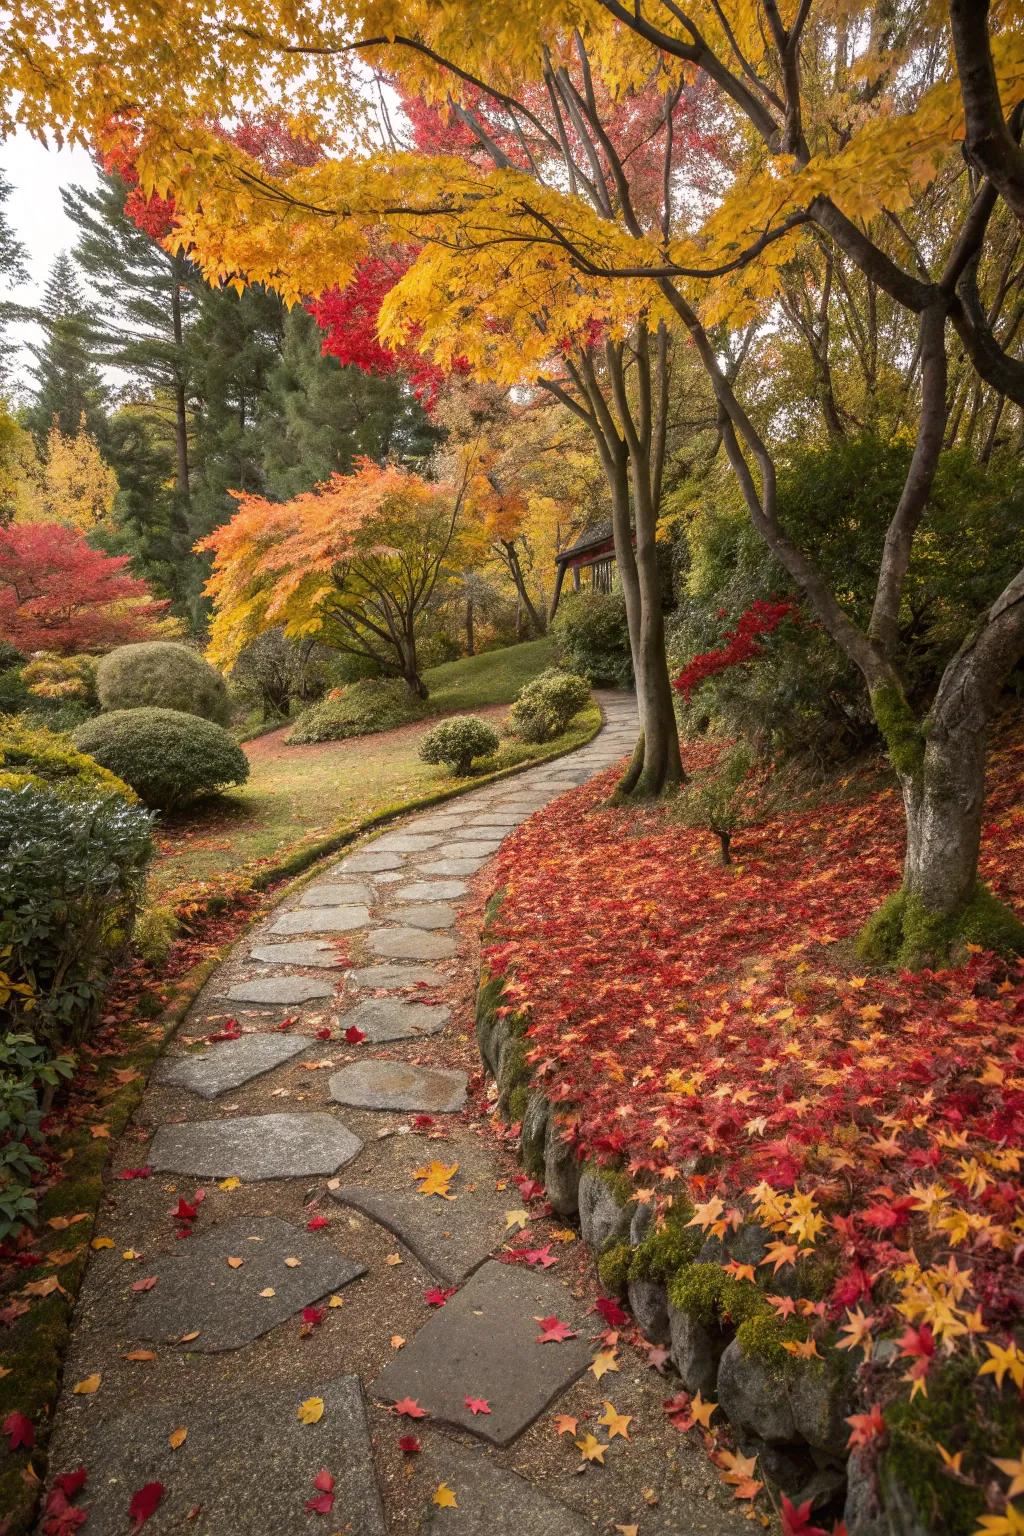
<point x="134" y="1173"/>
<point x="311" y="1411"/>
<point x="144" y="1502"/>
<point x="229" y="1183"/>
<point x="603" y="1362"/>
<point x="354" y="1036"/>
<point x="478" y="1405"/>
<point x="71" y="1483"/>
<point x="184" y="1211"/>
<point x="565" y="1424"/>
<point x="591" y="1449"/>
<point x="444" y="1497"/>
<point x="436" y="1178"/>
<point x="287" y="1023"/>
<point x="410" y="1445"/>
<point x="20" y="1432"/>
<point x="409" y="1408"/>
<point x="612" y="1313"/>
<point x="516" y="1219"/>
<point x="177" y="1437"/>
<point x="436" y="1296"/>
<point x="324" y="1033"/>
<point x="317" y="1223"/>
<point x="311" y="1317"/>
<point x="615" y="1423"/>
<point x="88" y="1385"/>
<point x="323" y="1502"/>
<point x="553" y="1331"/>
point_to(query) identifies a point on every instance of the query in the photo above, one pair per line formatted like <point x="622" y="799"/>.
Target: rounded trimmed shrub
<point x="369" y="705"/>
<point x="162" y="674"/>
<point x="454" y="743"/>
<point x="546" y="705"/>
<point x="46" y="760"/>
<point x="168" y="757"/>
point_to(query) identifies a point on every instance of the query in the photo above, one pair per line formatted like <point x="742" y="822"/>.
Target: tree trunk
<point x="519" y="581"/>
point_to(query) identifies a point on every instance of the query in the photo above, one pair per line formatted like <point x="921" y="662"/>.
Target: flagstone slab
<point x="451" y="866"/>
<point x="429" y="915"/>
<point x="391" y="1018"/>
<point x="386" y="975"/>
<point x="411" y="944"/>
<point x="230" y="1063"/>
<point x="246" y="1468"/>
<point x="474" y="847"/>
<point x="432" y="890"/>
<point x="490" y="1500"/>
<point x="368" y="862"/>
<point x="322" y="920"/>
<point x="286" y="1146"/>
<point x="300" y="952"/>
<point x="411" y="842"/>
<point x="327" y="894"/>
<point x="450" y="1238"/>
<point x="198" y="1291"/>
<point x="483" y="1343"/>
<point x="399" y="1085"/>
<point x="279" y="991"/>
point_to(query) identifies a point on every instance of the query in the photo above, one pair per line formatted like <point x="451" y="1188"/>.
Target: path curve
<point x="313" y="1269"/>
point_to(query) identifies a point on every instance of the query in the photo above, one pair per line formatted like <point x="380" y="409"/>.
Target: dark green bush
<point x="456" y="742"/>
<point x="169" y="758"/>
<point x="161" y="674"/>
<point x="72" y="873"/>
<point x="37" y="756"/>
<point x="593" y="638"/>
<point x="369" y="705"/>
<point x="546" y="705"/>
<point x="273" y="673"/>
<point x="28" y="1075"/>
<point x="14" y="694"/>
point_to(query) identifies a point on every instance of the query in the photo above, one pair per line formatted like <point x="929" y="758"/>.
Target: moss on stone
<point x="517" y="1101"/>
<point x="762" y="1336"/>
<point x="617" y="1181"/>
<point x="668" y="1246"/>
<point x="613" y="1266"/>
<point x="901" y="731"/>
<point x="905" y="934"/>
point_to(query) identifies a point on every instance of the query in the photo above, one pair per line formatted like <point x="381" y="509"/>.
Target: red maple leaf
<point x="353" y="1035"/>
<point x="865" y="1427"/>
<point x="144" y="1502"/>
<point x="144" y="1285"/>
<point x="313" y="1315"/>
<point x="410" y="1408"/>
<point x="553" y="1331"/>
<point x="287" y="1023"/>
<point x="323" y="1502"/>
<point x="324" y="1033"/>
<point x="135" y="1173"/>
<point x="530" y="1189"/>
<point x="71" y="1483"/>
<point x="478" y="1405"/>
<point x="183" y="1211"/>
<point x="410" y="1444"/>
<point x="315" y="1223"/>
<point x="20" y="1432"/>
<point x="230" y="1031"/>
<point x="796" y="1519"/>
<point x="612" y="1313"/>
<point x="436" y="1297"/>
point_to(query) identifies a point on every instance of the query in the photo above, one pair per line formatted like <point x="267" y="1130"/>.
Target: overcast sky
<point x="35" y="211"/>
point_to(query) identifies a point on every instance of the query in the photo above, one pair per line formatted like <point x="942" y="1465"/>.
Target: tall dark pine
<point x="12" y="272"/>
<point x="68" y="386"/>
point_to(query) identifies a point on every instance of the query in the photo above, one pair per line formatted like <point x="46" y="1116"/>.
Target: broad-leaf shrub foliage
<point x="27" y="1072"/>
<point x="712" y="1037"/>
<point x="546" y="704"/>
<point x="455" y="743"/>
<point x="169" y="758"/>
<point x="370" y="704"/>
<point x="72" y="873"/>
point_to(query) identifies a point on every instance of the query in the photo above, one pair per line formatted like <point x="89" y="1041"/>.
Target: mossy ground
<point x="904" y="934"/>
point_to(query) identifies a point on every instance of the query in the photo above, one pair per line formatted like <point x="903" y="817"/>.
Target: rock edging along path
<point x="295" y="1256"/>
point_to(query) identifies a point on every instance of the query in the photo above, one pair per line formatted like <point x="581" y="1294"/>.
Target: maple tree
<point x="354" y="563"/>
<point x="59" y="594"/>
<point x="70" y="484"/>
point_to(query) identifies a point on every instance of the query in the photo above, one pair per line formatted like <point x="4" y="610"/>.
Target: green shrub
<point x="718" y="799"/>
<point x="363" y="707"/>
<point x="14" y="694"/>
<point x="273" y="673"/>
<point x="156" y="929"/>
<point x="593" y="638"/>
<point x="456" y="742"/>
<point x="162" y="674"/>
<point x="49" y="676"/>
<point x="28" y="1074"/>
<point x="546" y="705"/>
<point x="42" y="758"/>
<point x="169" y="758"/>
<point x="72" y="874"/>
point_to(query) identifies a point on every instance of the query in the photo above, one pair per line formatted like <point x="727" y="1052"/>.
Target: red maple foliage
<point x="739" y="644"/>
<point x="59" y="594"/>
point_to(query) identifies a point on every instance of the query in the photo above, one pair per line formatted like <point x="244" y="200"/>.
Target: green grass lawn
<point x="300" y="796"/>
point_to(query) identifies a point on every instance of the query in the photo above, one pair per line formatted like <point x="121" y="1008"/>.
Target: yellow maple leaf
<point x="177" y="1438"/>
<point x="615" y="1423"/>
<point x="88" y="1385"/>
<point x="436" y="1179"/>
<point x="591" y="1449"/>
<point x="603" y="1362"/>
<point x="444" y="1497"/>
<point x="311" y="1411"/>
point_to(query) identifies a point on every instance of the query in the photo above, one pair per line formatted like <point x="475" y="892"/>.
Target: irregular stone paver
<point x="255" y="1147"/>
<point x="474" y="848"/>
<point x="450" y="1238"/>
<point x="352" y="893"/>
<point x="411" y="944"/>
<point x="489" y="1499"/>
<point x="399" y="1085"/>
<point x="231" y="1063"/>
<point x="198" y="1290"/>
<point x="370" y="861"/>
<point x="432" y="890"/>
<point x="396" y="976"/>
<point x="301" y="952"/>
<point x="411" y="842"/>
<point x="322" y="920"/>
<point x="390" y="1018"/>
<point x="483" y="1343"/>
<point x="247" y="1465"/>
<point x="451" y="866"/>
<point x="430" y="915"/>
<point x="279" y="991"/>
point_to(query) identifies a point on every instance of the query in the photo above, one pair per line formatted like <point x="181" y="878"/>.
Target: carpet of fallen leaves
<point x="709" y="1030"/>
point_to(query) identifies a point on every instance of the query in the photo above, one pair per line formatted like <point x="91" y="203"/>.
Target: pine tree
<point x="319" y="416"/>
<point x="69" y="389"/>
<point x="12" y="271"/>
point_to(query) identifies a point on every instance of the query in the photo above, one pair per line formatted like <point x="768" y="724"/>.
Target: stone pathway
<point x="272" y="1276"/>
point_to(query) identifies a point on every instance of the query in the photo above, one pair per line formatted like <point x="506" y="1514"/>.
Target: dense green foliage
<point x="546" y="705"/>
<point x="593" y="639"/>
<point x="27" y="1071"/>
<point x="273" y="673"/>
<point x="367" y="705"/>
<point x="169" y="758"/>
<point x="161" y="674"/>
<point x="68" y="386"/>
<point x="72" y="873"/>
<point x="46" y="759"/>
<point x="455" y="743"/>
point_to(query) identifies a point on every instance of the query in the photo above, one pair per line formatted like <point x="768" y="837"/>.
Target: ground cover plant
<point x="730" y="1050"/>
